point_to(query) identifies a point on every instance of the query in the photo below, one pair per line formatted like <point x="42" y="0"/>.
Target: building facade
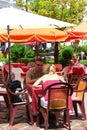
<point x="9" y="3"/>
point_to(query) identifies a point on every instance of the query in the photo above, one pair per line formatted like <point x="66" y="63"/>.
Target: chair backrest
<point x="23" y="75"/>
<point x="3" y="83"/>
<point x="8" y="96"/>
<point x="75" y="70"/>
<point x="78" y="70"/>
<point x="17" y="72"/>
<point x="58" y="67"/>
<point x="46" y="84"/>
<point x="58" y="98"/>
<point x="17" y="65"/>
<point x="13" y="89"/>
<point x="58" y="95"/>
<point x="81" y="86"/>
<point x="2" y="77"/>
<point x="81" y="71"/>
<point x="25" y="68"/>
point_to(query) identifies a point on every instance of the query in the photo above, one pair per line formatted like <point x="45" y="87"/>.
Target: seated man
<point x="31" y="76"/>
<point x="34" y="73"/>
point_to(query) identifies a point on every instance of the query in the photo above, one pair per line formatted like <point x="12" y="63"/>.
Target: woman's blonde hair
<point x="52" y="69"/>
<point x="48" y="68"/>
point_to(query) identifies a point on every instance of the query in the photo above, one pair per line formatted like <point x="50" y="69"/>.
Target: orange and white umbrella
<point x="12" y="18"/>
<point x="78" y="32"/>
<point x="31" y="35"/>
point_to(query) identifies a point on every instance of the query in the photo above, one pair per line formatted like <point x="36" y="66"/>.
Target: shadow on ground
<point x="22" y="122"/>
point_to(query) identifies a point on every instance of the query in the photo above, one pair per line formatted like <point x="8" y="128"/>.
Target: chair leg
<point x="46" y="120"/>
<point x="30" y="113"/>
<point x="40" y="118"/>
<point x="82" y="108"/>
<point x="75" y="108"/>
<point x="29" y="107"/>
<point x="13" y="111"/>
<point x="45" y="116"/>
<point x="57" y="117"/>
<point x="6" y="100"/>
<point x="67" y="118"/>
<point x="37" y="120"/>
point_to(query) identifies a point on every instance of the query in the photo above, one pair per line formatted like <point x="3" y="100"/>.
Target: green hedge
<point x="84" y="62"/>
<point x="26" y="60"/>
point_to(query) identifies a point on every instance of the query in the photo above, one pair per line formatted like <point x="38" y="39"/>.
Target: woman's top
<point x="48" y="77"/>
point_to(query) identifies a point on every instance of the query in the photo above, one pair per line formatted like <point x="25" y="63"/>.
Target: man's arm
<point x="30" y="81"/>
<point x="38" y="82"/>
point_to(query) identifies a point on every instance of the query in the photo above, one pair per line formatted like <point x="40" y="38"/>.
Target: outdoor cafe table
<point x="78" y="67"/>
<point x="35" y="91"/>
<point x="79" y="70"/>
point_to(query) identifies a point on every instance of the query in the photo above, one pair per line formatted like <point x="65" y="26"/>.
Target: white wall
<point x="8" y="3"/>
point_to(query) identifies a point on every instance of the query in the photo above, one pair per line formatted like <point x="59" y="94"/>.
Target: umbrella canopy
<point x="79" y="32"/>
<point x="12" y="18"/>
<point x="38" y="35"/>
<point x="17" y="18"/>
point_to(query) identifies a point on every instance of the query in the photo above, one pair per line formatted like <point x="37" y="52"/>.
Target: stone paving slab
<point x="21" y="121"/>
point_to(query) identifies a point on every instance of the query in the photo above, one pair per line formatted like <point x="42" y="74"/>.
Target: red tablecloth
<point x="78" y="68"/>
<point x="34" y="92"/>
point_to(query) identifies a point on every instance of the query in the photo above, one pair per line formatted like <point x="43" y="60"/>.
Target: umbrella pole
<point x="56" y="53"/>
<point x="36" y="49"/>
<point x="9" y="67"/>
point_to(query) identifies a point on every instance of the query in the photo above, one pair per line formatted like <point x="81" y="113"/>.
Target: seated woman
<point x="75" y="60"/>
<point x="51" y="75"/>
<point x="46" y="80"/>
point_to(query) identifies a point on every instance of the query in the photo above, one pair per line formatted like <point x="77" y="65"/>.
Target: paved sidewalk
<point x="21" y="121"/>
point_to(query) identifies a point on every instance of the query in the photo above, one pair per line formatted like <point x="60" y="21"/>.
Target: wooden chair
<point x="2" y="78"/>
<point x="78" y="98"/>
<point x="25" y="68"/>
<point x="3" y="86"/>
<point x="23" y="75"/>
<point x="58" y="67"/>
<point x="57" y="102"/>
<point x="13" y="107"/>
<point x="77" y="72"/>
<point x="18" y="65"/>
